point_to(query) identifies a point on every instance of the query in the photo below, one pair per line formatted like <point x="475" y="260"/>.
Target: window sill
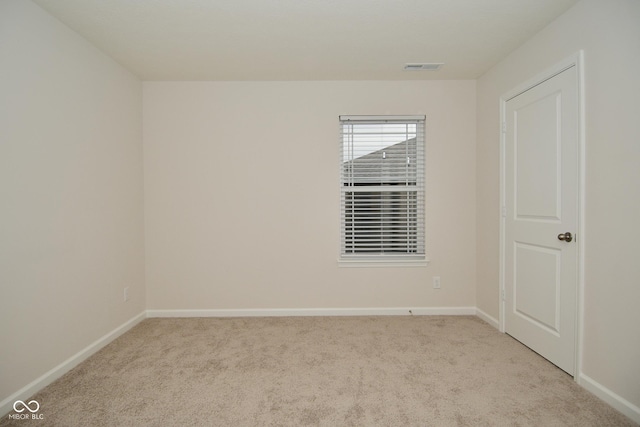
<point x="386" y="262"/>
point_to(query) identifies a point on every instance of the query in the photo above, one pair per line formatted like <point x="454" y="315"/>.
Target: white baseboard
<point x="627" y="408"/>
<point x="400" y="311"/>
<point x="489" y="319"/>
<point x="39" y="383"/>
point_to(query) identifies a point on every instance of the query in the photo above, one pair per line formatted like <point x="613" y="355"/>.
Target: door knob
<point x="567" y="237"/>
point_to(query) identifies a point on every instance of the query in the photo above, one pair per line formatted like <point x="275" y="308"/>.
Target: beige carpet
<point x="318" y="371"/>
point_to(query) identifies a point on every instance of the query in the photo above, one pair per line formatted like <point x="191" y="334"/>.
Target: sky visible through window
<point x="362" y="139"/>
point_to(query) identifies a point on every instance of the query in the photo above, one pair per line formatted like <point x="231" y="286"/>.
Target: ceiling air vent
<point x="423" y="67"/>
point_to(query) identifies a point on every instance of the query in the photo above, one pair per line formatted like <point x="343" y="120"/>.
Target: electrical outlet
<point x="126" y="294"/>
<point x="436" y="282"/>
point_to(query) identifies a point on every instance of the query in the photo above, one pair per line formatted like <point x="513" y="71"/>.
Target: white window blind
<point x="382" y="188"/>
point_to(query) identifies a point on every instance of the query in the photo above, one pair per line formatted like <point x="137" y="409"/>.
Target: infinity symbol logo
<point x="26" y="406"/>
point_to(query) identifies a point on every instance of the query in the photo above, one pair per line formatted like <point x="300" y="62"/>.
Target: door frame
<point x="575" y="60"/>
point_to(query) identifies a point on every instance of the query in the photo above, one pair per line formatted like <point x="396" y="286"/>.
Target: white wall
<point x="242" y="195"/>
<point x="609" y="33"/>
<point x="71" y="206"/>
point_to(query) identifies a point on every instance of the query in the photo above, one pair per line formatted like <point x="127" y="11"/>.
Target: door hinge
<point x="504" y="127"/>
<point x="504" y="212"/>
<point x="503" y="298"/>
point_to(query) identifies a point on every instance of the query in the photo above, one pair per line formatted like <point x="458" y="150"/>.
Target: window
<point x="382" y="189"/>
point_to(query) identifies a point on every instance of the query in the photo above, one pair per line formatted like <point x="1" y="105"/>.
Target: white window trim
<point x="366" y="263"/>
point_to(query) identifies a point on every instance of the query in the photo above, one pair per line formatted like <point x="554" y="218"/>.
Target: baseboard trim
<point x="39" y="383"/>
<point x="399" y="311"/>
<point x="489" y="319"/>
<point x="618" y="402"/>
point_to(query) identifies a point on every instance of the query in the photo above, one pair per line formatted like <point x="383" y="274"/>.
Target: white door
<point x="541" y="218"/>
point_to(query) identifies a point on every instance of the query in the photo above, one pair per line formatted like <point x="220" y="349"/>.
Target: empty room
<point x="301" y="212"/>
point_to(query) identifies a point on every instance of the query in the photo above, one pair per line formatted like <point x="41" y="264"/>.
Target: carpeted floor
<point x="318" y="371"/>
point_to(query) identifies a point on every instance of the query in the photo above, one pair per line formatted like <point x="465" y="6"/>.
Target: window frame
<point x="382" y="259"/>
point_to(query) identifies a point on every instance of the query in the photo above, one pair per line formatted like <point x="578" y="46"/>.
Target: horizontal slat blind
<point x="382" y="187"/>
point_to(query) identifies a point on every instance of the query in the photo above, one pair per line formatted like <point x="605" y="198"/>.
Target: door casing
<point x="576" y="60"/>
